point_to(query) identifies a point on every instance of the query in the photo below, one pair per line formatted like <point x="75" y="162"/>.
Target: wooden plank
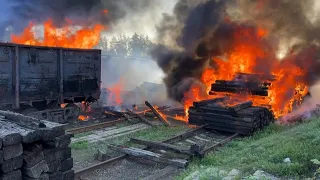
<point x="157" y="114"/>
<point x="127" y="117"/>
<point x="241" y="106"/>
<point x="214" y="146"/>
<point x="210" y="101"/>
<point x="150" y="156"/>
<point x="141" y="118"/>
<point x="176" y="138"/>
<point x="95" y="126"/>
<point x="223" y="120"/>
<point x="22" y="120"/>
<point x="214" y="110"/>
<point x="186" y="134"/>
<point x="163" y="146"/>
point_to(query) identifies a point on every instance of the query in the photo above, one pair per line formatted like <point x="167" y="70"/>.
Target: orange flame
<point x="83" y="118"/>
<point x="116" y="92"/>
<point x="105" y="11"/>
<point x="250" y="51"/>
<point x="85" y="38"/>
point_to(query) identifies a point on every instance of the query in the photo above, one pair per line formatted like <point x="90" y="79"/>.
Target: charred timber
<point x="149" y="155"/>
<point x="248" y="120"/>
<point x="262" y="77"/>
<point x="229" y="124"/>
<point x="141" y="118"/>
<point x="241" y="106"/>
<point x="22" y="120"/>
<point x="223" y="88"/>
<point x="263" y="85"/>
<point x="157" y="114"/>
<point x="210" y="101"/>
<point x="213" y="110"/>
<point x="160" y="145"/>
<point x="213" y="126"/>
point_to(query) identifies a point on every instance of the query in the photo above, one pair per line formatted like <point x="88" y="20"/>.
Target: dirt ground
<point x="130" y="169"/>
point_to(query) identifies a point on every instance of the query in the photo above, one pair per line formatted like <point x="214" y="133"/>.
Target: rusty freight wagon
<point x="38" y="80"/>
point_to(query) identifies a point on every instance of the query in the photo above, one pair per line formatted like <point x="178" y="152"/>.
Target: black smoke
<point x="201" y="30"/>
<point x="199" y="21"/>
<point x="80" y="12"/>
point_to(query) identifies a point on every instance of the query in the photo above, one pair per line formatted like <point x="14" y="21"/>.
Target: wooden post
<point x="157" y="114"/>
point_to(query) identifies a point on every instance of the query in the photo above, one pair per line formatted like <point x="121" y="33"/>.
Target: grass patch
<point x="267" y="150"/>
<point x="157" y="133"/>
<point x="80" y="145"/>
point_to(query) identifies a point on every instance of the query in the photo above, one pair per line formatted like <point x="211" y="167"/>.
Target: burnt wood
<point x="163" y="146"/>
<point x="141" y="118"/>
<point x="241" y="106"/>
<point x="156" y="113"/>
<point x="22" y="120"/>
<point x="210" y="101"/>
<point x="150" y="156"/>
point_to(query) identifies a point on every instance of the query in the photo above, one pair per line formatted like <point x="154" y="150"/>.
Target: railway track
<point x="109" y="123"/>
<point x="209" y="140"/>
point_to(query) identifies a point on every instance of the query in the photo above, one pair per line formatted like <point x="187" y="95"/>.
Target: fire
<point x="251" y="54"/>
<point x="67" y="37"/>
<point x="115" y="92"/>
<point x="83" y="118"/>
<point x="105" y="11"/>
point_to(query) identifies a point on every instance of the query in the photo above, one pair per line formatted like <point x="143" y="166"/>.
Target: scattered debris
<point x="141" y="118"/>
<point x="163" y="146"/>
<point x="150" y="156"/>
<point x="157" y="114"/>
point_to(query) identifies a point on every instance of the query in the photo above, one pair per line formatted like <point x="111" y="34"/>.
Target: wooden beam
<point x="163" y="146"/>
<point x="157" y="114"/>
<point x="141" y="118"/>
<point x="22" y="120"/>
<point x="150" y="156"/>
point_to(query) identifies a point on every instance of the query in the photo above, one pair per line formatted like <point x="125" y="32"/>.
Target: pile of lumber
<point x="33" y="149"/>
<point x="254" y="88"/>
<point x="224" y="114"/>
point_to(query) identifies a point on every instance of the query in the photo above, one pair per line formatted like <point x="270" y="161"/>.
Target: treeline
<point x="134" y="46"/>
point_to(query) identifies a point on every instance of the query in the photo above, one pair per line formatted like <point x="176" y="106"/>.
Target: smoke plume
<point x="80" y="12"/>
<point x="199" y="31"/>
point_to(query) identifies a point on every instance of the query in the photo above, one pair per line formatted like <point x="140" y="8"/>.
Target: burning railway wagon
<point x="230" y="110"/>
<point x="37" y="80"/>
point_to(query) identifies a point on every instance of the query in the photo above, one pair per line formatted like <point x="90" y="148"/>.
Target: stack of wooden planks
<point x="225" y="114"/>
